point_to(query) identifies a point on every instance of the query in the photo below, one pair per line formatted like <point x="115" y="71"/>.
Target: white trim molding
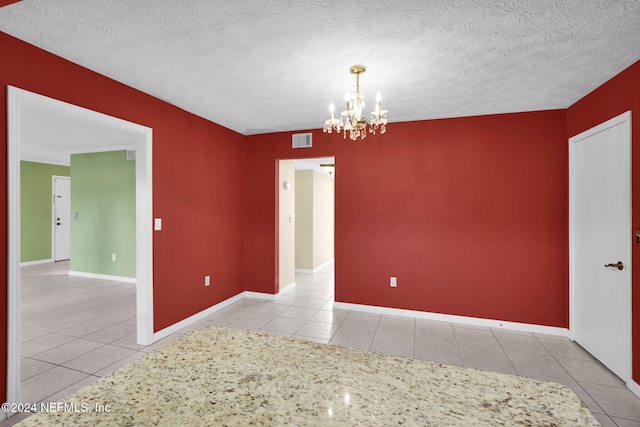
<point x="463" y="320"/>
<point x="634" y="387"/>
<point x="259" y="295"/>
<point x="497" y="324"/>
<point x="266" y="296"/>
<point x="13" y="257"/>
<point x="315" y="270"/>
<point x="17" y="99"/>
<point x="103" y="276"/>
<point x="207" y="312"/>
<point x="286" y="288"/>
<point x="163" y="333"/>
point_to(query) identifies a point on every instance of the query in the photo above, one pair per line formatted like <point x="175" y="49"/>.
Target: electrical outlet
<point x="113" y="257"/>
<point x="393" y="282"/>
<point x="207" y="280"/>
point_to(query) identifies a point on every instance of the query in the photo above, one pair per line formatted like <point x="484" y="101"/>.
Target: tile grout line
<point x="504" y="352"/>
<point x="572" y="377"/>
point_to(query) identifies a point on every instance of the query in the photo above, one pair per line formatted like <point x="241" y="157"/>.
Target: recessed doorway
<point x="306" y="206"/>
<point x="20" y="105"/>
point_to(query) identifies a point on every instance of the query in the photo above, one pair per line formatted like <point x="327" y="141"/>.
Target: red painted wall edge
<point x="4" y="3"/>
<point x="203" y="226"/>
<point x="470" y="214"/>
<point x="613" y="98"/>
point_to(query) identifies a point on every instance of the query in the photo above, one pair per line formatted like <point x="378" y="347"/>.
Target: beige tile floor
<point x="77" y="330"/>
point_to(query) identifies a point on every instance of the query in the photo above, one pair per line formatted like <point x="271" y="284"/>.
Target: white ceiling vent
<point x="301" y="140"/>
<point x="131" y="154"/>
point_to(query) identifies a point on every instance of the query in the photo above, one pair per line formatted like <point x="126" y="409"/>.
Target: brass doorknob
<point x="619" y="265"/>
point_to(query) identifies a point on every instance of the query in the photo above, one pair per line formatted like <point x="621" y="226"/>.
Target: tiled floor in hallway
<point x="77" y="330"/>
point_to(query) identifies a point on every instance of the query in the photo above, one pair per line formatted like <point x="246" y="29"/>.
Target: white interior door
<point x="600" y="211"/>
<point x="61" y="218"/>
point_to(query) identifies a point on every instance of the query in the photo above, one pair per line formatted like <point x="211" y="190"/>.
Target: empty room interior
<point x="176" y="169"/>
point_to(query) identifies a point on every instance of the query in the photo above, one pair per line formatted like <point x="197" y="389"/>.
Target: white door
<point x="600" y="230"/>
<point x="61" y="218"/>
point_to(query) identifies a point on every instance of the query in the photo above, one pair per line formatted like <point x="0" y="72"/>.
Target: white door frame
<point x="618" y="120"/>
<point x="53" y="214"/>
<point x="16" y="98"/>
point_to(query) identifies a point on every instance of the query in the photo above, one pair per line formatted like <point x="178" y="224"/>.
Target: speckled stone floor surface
<point x="220" y="376"/>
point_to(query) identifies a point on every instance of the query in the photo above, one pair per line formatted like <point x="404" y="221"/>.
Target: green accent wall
<point x="35" y="209"/>
<point x="103" y="195"/>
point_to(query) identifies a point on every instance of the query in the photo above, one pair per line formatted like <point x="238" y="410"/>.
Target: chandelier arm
<point x="355" y="122"/>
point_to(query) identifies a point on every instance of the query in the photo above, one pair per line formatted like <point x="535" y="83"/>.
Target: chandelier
<point x="354" y="122"/>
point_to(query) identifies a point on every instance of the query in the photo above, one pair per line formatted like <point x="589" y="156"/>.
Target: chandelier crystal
<point x="354" y="122"/>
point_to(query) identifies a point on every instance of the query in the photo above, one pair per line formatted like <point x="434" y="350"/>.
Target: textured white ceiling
<point x="259" y="66"/>
<point x="50" y="135"/>
<point x="313" y="164"/>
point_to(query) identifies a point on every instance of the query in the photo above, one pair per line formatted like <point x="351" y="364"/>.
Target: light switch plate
<point x="393" y="282"/>
<point x="157" y="224"/>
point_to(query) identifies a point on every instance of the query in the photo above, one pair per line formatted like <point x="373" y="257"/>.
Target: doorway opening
<point x="21" y="105"/>
<point x="306" y="210"/>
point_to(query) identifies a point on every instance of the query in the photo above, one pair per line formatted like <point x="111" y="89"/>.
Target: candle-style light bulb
<point x="331" y="108"/>
<point x="346" y="98"/>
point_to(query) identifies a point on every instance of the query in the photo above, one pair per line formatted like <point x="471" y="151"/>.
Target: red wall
<point x="471" y="215"/>
<point x="7" y="2"/>
<point x="199" y="197"/>
<point x="613" y="98"/>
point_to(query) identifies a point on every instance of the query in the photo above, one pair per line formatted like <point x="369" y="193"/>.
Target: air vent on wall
<point x="301" y="140"/>
<point x="131" y="154"/>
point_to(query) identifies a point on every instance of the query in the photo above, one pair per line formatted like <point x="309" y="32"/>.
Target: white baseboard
<point x="103" y="276"/>
<point x="36" y="262"/>
<point x="194" y="318"/>
<point x="315" y="270"/>
<point x="286" y="288"/>
<point x="269" y="297"/>
<point x="259" y="295"/>
<point x="634" y="387"/>
<point x="475" y="321"/>
<point x="204" y="313"/>
<point x="323" y="265"/>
